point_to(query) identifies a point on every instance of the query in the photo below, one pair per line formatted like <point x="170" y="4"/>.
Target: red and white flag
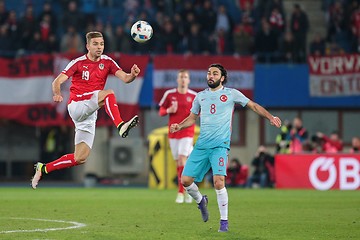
<point x="26" y="89"/>
<point x="334" y="76"/>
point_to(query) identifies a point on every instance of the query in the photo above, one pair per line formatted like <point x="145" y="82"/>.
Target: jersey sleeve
<point x="239" y="97"/>
<point x="195" y="105"/>
<point x="113" y="66"/>
<point x="70" y="69"/>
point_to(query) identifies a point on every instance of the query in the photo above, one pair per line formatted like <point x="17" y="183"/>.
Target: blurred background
<point x="299" y="59"/>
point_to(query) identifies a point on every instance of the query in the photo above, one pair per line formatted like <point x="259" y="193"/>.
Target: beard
<point x="213" y="85"/>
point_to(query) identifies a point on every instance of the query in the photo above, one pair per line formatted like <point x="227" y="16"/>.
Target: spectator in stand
<point x="27" y="26"/>
<point x="52" y="45"/>
<point x="5" y="42"/>
<point x="277" y="21"/>
<point x="248" y="18"/>
<point x="317" y="46"/>
<point x="36" y="45"/>
<point x="73" y="17"/>
<point x="237" y="174"/>
<point x="4" y="14"/>
<point x="355" y="145"/>
<point x="195" y="41"/>
<point x="331" y="144"/>
<point x="298" y="136"/>
<point x="71" y="42"/>
<point x="266" y="44"/>
<point x="299" y="26"/>
<point x="288" y="48"/>
<point x="207" y="18"/>
<point x="223" y="20"/>
<point x="243" y="41"/>
<point x="167" y="40"/>
<point x="264" y="174"/>
<point x="13" y="30"/>
<point x="122" y="40"/>
<point x="47" y="10"/>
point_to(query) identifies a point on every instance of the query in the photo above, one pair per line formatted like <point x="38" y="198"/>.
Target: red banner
<point x="334" y="76"/>
<point x="318" y="171"/>
<point x="240" y="72"/>
<point x="26" y="92"/>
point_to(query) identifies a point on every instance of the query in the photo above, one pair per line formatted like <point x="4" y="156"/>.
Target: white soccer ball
<point x="141" y="31"/>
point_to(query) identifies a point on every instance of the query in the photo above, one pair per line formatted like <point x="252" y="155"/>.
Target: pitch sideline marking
<point x="75" y="225"/>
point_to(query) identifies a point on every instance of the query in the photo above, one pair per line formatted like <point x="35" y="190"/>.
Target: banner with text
<point x="26" y="89"/>
<point x="334" y="76"/>
<point x="240" y="72"/>
<point x="318" y="171"/>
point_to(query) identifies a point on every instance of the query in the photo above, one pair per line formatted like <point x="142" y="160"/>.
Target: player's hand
<point x="174" y="127"/>
<point x="135" y="70"/>
<point x="58" y="98"/>
<point x="275" y="121"/>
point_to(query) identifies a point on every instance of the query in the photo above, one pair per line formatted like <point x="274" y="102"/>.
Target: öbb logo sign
<point x="348" y="173"/>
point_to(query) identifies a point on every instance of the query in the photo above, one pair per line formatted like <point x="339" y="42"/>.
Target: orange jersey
<point x="184" y="102"/>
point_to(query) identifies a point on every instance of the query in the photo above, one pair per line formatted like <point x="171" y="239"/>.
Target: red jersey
<point x="88" y="76"/>
<point x="184" y="105"/>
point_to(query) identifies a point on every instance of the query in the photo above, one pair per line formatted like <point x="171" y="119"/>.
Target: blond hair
<point x="91" y="35"/>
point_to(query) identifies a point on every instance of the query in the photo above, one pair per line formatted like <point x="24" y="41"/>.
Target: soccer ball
<point x="141" y="31"/>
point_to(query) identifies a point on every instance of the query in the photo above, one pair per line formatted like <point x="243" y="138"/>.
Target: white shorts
<point x="182" y="146"/>
<point x="84" y="115"/>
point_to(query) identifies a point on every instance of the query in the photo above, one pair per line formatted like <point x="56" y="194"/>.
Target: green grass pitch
<point x="139" y="213"/>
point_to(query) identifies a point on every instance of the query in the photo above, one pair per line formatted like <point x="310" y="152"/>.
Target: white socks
<point x="193" y="191"/>
<point x="223" y="200"/>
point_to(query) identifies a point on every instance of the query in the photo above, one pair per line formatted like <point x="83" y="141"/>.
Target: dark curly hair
<point x="222" y="69"/>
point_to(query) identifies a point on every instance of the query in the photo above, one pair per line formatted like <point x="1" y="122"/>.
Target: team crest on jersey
<point x="223" y="98"/>
<point x="188" y="99"/>
<point x="101" y="66"/>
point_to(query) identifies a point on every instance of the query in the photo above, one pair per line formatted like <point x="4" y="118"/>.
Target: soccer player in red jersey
<point x="177" y="103"/>
<point x="89" y="74"/>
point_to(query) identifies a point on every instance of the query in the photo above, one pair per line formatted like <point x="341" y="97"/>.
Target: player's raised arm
<point x="276" y="121"/>
<point x="128" y="77"/>
<point x="187" y="122"/>
<point x="56" y="87"/>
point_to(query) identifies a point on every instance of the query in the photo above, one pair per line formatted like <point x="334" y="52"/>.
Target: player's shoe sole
<point x="125" y="127"/>
<point x="37" y="176"/>
<point x="203" y="208"/>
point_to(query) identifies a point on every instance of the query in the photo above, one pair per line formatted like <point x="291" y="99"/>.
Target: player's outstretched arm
<point x="56" y="87"/>
<point x="187" y="122"/>
<point x="128" y="77"/>
<point x="276" y="121"/>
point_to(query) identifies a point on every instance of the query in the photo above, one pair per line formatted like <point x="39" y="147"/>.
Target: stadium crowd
<point x="223" y="27"/>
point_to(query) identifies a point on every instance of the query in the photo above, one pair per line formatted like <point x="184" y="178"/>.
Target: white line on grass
<point x="75" y="225"/>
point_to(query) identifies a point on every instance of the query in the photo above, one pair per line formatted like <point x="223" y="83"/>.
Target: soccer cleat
<point x="37" y="176"/>
<point x="125" y="127"/>
<point x="203" y="208"/>
<point x="224" y="226"/>
<point x="180" y="198"/>
<point x="188" y="198"/>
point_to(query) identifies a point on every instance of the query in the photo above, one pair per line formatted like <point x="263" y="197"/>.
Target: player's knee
<point x="219" y="182"/>
<point x="186" y="181"/>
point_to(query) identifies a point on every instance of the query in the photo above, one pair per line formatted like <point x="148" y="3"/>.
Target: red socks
<point x="65" y="161"/>
<point x="179" y="172"/>
<point x="112" y="109"/>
